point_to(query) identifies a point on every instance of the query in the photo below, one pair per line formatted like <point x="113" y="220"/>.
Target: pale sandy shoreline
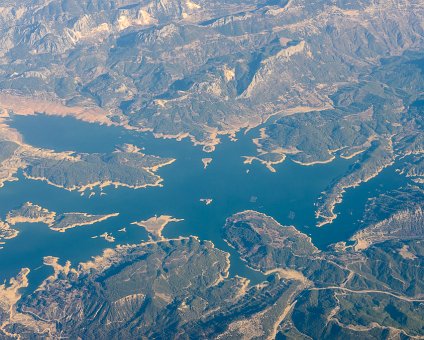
<point x="156" y="224"/>
<point x="206" y="162"/>
<point x="39" y="214"/>
<point x="49" y="105"/>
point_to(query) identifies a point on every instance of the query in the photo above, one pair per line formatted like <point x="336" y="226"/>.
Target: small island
<point x="156" y="224"/>
<point x="206" y="201"/>
<point x="32" y="213"/>
<point x="206" y="162"/>
<point x="108" y="237"/>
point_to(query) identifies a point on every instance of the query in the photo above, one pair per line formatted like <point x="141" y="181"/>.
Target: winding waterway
<point x="287" y="195"/>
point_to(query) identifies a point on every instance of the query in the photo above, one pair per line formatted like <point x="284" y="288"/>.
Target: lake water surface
<point x="287" y="195"/>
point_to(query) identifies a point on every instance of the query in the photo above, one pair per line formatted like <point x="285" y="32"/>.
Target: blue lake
<point x="287" y="195"/>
